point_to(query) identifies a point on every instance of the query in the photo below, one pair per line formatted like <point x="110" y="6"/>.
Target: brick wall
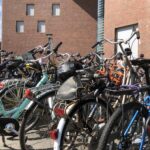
<point x="120" y="13"/>
<point x="75" y="27"/>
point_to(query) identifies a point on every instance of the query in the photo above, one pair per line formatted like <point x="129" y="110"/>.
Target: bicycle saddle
<point x="140" y="62"/>
<point x="13" y="64"/>
<point x="3" y="65"/>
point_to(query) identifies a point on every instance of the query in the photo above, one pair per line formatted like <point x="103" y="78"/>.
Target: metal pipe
<point x="100" y="24"/>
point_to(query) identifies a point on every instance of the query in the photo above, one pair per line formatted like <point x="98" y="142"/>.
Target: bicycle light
<point x="53" y="134"/>
<point x="59" y="111"/>
<point x="2" y="85"/>
<point x="28" y="94"/>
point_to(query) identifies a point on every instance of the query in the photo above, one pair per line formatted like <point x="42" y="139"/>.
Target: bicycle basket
<point x="67" y="70"/>
<point x="116" y="74"/>
<point x="69" y="89"/>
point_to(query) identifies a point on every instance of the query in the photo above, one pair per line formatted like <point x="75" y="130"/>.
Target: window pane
<point x="56" y="9"/>
<point x="19" y="26"/>
<point x="41" y="26"/>
<point x="30" y="10"/>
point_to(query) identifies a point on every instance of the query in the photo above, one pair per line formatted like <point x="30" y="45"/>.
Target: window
<point x="41" y="27"/>
<point x="30" y="9"/>
<point x="56" y="9"/>
<point x="125" y="33"/>
<point x="19" y="26"/>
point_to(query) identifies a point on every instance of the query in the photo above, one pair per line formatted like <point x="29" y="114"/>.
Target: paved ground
<point x="13" y="144"/>
<point x="38" y="138"/>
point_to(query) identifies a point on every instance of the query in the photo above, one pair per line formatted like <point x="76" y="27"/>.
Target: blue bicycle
<point x="129" y="126"/>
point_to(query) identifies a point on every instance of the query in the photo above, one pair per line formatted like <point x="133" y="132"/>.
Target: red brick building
<point x="75" y="24"/>
<point x="25" y="23"/>
<point x="121" y="14"/>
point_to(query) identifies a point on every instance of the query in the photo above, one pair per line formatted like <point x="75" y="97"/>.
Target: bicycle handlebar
<point x="49" y="54"/>
<point x="98" y="43"/>
<point x="2" y="50"/>
<point x="137" y="33"/>
<point x="85" y="57"/>
<point x="46" y="45"/>
<point x="6" y="54"/>
<point x="37" y="49"/>
<point x="57" y="47"/>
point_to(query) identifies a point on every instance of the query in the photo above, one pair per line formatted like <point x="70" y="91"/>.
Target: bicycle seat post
<point x="49" y="40"/>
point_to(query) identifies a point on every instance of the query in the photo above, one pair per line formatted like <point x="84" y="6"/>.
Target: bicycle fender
<point x="60" y="130"/>
<point x="29" y="105"/>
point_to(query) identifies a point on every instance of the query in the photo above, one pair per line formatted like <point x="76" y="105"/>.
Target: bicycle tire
<point x="114" y="121"/>
<point x="74" y="110"/>
<point x="34" y="121"/>
<point x="25" y="128"/>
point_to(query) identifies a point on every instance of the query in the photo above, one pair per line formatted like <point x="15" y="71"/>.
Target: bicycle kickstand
<point x="3" y="140"/>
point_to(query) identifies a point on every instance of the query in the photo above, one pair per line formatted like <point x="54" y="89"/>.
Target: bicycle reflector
<point x="28" y="94"/>
<point x="101" y="72"/>
<point x="59" y="111"/>
<point x="2" y="85"/>
<point x="53" y="134"/>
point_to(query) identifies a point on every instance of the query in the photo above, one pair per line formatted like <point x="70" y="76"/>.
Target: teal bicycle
<point x="9" y="124"/>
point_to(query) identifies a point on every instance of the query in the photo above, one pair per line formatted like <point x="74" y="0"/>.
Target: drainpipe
<point x="100" y="23"/>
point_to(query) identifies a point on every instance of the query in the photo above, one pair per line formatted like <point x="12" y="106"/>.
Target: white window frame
<point x="41" y="26"/>
<point x="20" y="26"/>
<point x="124" y="33"/>
<point x="30" y="9"/>
<point x="56" y="9"/>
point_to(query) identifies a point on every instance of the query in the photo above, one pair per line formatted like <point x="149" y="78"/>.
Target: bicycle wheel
<point x="13" y="96"/>
<point x="38" y="135"/>
<point x="83" y="123"/>
<point x="33" y="118"/>
<point x="119" y="133"/>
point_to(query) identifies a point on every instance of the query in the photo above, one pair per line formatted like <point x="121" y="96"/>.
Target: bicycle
<point x="132" y="128"/>
<point x="10" y="127"/>
<point x="64" y="128"/>
<point x="51" y="112"/>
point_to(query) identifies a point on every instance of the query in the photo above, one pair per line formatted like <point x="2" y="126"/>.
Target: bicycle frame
<point x="16" y="112"/>
<point x="133" y="119"/>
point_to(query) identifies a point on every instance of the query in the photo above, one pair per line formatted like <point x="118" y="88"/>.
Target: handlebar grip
<point x="82" y="58"/>
<point x="56" y="48"/>
<point x="37" y="51"/>
<point x="31" y="51"/>
<point x="85" y="57"/>
<point x="6" y="54"/>
<point x="95" y="45"/>
<point x="2" y="50"/>
<point x="59" y="55"/>
<point x="10" y="52"/>
<point x="40" y="51"/>
<point x="45" y="45"/>
<point x="138" y="35"/>
<point x="76" y="55"/>
<point x="98" y="43"/>
<point x="49" y="34"/>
